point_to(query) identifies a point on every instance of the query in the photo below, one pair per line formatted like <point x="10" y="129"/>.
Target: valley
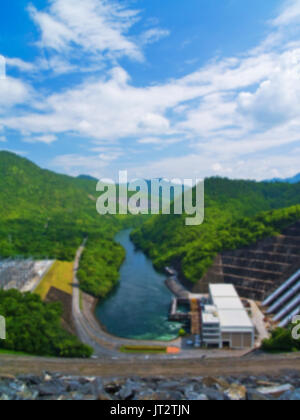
<point x="117" y="281"/>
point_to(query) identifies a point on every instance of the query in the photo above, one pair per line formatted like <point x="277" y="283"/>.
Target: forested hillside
<point x="44" y="214"/>
<point x="229" y="210"/>
<point x="47" y="215"/>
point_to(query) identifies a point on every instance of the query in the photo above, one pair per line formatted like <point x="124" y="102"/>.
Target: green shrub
<point x="34" y="327"/>
<point x="281" y="341"/>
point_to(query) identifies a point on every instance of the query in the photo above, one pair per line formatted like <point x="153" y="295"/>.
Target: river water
<point x="138" y="307"/>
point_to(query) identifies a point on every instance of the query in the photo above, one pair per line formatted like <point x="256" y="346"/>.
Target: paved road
<point x="263" y="365"/>
<point x="84" y="330"/>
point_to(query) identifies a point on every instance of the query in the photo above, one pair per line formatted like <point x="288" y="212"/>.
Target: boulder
<point x="276" y="391"/>
<point x="291" y="396"/>
<point x="218" y="383"/>
<point x="236" y="392"/>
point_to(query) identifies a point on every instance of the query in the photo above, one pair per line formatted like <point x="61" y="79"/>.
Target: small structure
<point x="15" y="273"/>
<point x="225" y="321"/>
<point x="23" y="275"/>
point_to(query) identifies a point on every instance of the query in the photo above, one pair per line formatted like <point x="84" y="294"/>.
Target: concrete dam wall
<point x="259" y="269"/>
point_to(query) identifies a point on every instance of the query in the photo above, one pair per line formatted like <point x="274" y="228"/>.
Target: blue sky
<point x="166" y="88"/>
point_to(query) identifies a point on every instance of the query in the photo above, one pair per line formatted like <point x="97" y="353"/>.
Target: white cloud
<point x="46" y="138"/>
<point x="75" y="164"/>
<point x="3" y="139"/>
<point x="107" y="109"/>
<point x="153" y="35"/>
<point x="108" y="154"/>
<point x="159" y="142"/>
<point x="277" y="98"/>
<point x="237" y="105"/>
<point x="98" y="27"/>
<point x="290" y="14"/>
<point x="12" y="92"/>
<point x="203" y="164"/>
<point x="150" y="140"/>
<point x="20" y="64"/>
<point x="231" y="113"/>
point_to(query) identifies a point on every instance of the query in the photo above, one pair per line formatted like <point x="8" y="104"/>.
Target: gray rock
<point x="254" y="395"/>
<point x="51" y="388"/>
<point x="6" y="391"/>
<point x="170" y="396"/>
<point x="193" y="396"/>
<point x="214" y="395"/>
<point x="146" y="395"/>
<point x="291" y="396"/>
<point x="5" y="397"/>
<point x="30" y="379"/>
<point x="73" y="386"/>
<point x="169" y="385"/>
<point x="128" y="390"/>
<point x="113" y="386"/>
<point x="276" y="391"/>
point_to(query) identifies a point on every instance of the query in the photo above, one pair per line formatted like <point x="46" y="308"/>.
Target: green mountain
<point x="230" y="208"/>
<point x="47" y="215"/>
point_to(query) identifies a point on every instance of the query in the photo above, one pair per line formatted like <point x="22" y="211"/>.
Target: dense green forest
<point x="47" y="215"/>
<point x="229" y="210"/>
<point x="99" y="267"/>
<point x="34" y="327"/>
<point x="44" y="214"/>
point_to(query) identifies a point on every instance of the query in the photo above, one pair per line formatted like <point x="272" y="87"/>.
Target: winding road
<point x="89" y="330"/>
<point x="85" y="331"/>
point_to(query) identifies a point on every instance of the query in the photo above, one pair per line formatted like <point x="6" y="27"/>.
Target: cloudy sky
<point x="170" y="88"/>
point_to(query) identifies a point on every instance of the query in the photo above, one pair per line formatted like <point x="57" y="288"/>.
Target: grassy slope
<point x="167" y="240"/>
<point x="59" y="276"/>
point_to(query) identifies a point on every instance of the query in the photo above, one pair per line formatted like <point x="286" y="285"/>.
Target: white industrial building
<point x="225" y="321"/>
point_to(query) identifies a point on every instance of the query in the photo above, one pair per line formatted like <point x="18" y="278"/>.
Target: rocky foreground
<point x="59" y="387"/>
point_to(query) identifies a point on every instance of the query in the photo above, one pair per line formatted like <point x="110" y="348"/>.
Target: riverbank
<point x="138" y="308"/>
<point x="111" y="341"/>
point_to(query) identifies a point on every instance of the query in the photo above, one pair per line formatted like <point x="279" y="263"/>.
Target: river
<point x="138" y="307"/>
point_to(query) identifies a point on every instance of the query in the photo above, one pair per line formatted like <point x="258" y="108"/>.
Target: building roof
<point x="233" y="303"/>
<point x="235" y="320"/>
<point x="232" y="313"/>
<point x="222" y="290"/>
<point x="210" y="318"/>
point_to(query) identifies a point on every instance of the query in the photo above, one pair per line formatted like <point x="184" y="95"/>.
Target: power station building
<point x="225" y="321"/>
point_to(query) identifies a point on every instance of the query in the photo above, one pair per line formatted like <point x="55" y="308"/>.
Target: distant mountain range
<point x="294" y="180"/>
<point x="87" y="177"/>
